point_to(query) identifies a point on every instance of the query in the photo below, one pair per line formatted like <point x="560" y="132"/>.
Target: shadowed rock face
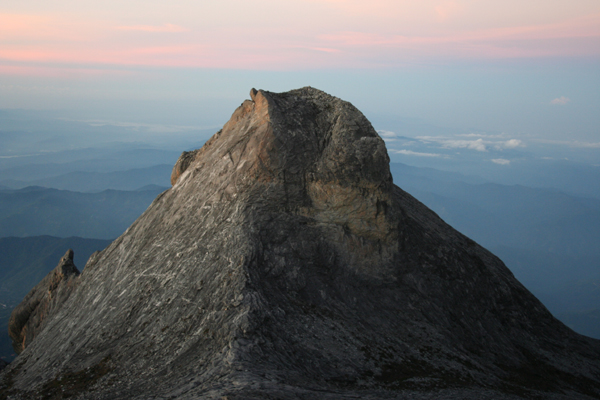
<point x="41" y="303"/>
<point x="284" y="263"/>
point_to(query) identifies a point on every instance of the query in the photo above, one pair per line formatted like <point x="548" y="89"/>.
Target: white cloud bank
<point x="478" y="144"/>
<point x="501" y="161"/>
<point x="512" y="144"/>
<point x="387" y="134"/>
<point x="414" y="153"/>
<point x="575" y="144"/>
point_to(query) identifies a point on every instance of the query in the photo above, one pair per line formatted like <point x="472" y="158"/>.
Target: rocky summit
<point x="285" y="264"/>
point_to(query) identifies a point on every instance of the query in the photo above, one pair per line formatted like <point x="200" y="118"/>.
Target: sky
<point x="519" y="72"/>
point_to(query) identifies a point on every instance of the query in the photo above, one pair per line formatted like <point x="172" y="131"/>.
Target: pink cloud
<point x="59" y="72"/>
<point x="20" y="22"/>
<point x="354" y="42"/>
<point x="580" y="37"/>
<point x="324" y="50"/>
<point x="401" y="11"/>
<point x="151" y="28"/>
<point x="561" y="101"/>
<point x="45" y="28"/>
<point x="447" y="9"/>
<point x="578" y="28"/>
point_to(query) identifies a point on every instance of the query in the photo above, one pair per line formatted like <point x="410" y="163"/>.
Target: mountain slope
<point x="284" y="263"/>
<point x="547" y="238"/>
<point x="25" y="262"/>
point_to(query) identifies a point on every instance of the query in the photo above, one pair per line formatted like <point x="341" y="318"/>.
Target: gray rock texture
<point x="29" y="318"/>
<point x="184" y="161"/>
<point x="285" y="264"/>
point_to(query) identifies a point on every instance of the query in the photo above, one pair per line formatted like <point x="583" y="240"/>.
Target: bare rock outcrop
<point x="30" y="316"/>
<point x="285" y="264"/>
<point x="184" y="161"/>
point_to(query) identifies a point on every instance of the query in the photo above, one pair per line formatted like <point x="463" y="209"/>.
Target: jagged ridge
<point x="29" y="318"/>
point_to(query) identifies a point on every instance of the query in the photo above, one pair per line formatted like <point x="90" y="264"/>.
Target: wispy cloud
<point x="483" y="135"/>
<point x="21" y="23"/>
<point x="388" y="136"/>
<point x="561" y="101"/>
<point x="414" y="153"/>
<point x="478" y="144"/>
<point x="477" y="135"/>
<point x="447" y="9"/>
<point x="140" y="127"/>
<point x="338" y="33"/>
<point x="60" y="72"/>
<point x="520" y="41"/>
<point x="153" y="28"/>
<point x="320" y="49"/>
<point x="575" y="143"/>
<point x="501" y="161"/>
<point x="510" y="144"/>
<point x="587" y="145"/>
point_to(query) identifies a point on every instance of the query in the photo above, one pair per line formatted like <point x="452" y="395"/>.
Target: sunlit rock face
<point x="284" y="263"/>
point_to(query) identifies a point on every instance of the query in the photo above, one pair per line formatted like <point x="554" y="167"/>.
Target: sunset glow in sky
<point x="68" y="53"/>
<point x="294" y="34"/>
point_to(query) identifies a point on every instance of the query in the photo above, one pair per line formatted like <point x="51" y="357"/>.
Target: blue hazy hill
<point x="34" y="211"/>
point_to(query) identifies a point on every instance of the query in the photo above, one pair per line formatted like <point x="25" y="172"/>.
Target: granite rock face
<point x="29" y="318"/>
<point x="285" y="264"/>
<point x="184" y="161"/>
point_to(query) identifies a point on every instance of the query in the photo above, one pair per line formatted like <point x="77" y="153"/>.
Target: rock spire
<point x="29" y="318"/>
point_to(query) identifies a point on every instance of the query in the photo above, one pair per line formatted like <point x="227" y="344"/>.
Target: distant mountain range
<point x="81" y="181"/>
<point x="36" y="211"/>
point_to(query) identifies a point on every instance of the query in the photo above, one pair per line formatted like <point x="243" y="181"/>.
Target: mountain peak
<point x="322" y="151"/>
<point x="284" y="263"/>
